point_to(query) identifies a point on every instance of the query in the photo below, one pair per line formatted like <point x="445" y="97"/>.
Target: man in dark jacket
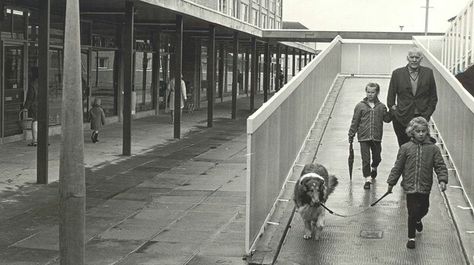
<point x="411" y="93"/>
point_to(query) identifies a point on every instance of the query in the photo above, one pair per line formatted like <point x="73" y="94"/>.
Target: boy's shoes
<point x="411" y="244"/>
<point x="367" y="185"/>
<point x="32" y="144"/>
<point x="373" y="173"/>
<point x="419" y="226"/>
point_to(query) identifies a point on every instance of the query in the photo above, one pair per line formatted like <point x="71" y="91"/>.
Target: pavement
<point x="174" y="201"/>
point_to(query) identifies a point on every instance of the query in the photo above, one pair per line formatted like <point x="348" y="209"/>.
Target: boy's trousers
<point x="417" y="206"/>
<point x="365" y="149"/>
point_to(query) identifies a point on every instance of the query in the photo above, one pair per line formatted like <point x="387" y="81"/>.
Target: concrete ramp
<point x="378" y="235"/>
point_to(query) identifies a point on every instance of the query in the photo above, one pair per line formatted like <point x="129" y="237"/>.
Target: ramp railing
<point x="454" y="119"/>
<point x="276" y="132"/>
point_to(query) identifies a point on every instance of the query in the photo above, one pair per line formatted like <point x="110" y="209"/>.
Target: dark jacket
<point x="96" y="117"/>
<point x="467" y="79"/>
<point x="400" y="90"/>
<point x="416" y="161"/>
<point x="367" y="122"/>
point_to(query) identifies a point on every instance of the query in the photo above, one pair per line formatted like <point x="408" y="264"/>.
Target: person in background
<point x="415" y="162"/>
<point x="367" y="123"/>
<point x="411" y="93"/>
<point x="170" y="97"/>
<point x="97" y="119"/>
<point x="31" y="104"/>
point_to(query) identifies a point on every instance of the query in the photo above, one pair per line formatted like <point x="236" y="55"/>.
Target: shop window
<point x="142" y="81"/>
<point x="102" y="80"/>
<point x="12" y="24"/>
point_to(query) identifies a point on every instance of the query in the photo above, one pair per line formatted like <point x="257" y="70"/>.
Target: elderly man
<point x="414" y="89"/>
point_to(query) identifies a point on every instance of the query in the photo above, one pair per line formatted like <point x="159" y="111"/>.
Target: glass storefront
<point x="102" y="80"/>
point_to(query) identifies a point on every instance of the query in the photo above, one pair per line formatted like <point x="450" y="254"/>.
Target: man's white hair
<point x="416" y="50"/>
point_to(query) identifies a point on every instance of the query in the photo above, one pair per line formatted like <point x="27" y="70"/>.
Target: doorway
<point x="13" y="90"/>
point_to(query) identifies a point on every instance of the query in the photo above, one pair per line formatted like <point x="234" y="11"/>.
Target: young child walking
<point x="97" y="119"/>
<point x="416" y="161"/>
<point x="367" y="123"/>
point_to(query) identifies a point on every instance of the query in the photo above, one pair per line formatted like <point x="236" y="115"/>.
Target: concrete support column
<point x="293" y="63"/>
<point x="221" y="71"/>
<point x="266" y="71"/>
<point x="235" y="74"/>
<point x="155" y="71"/>
<point x="278" y="69"/>
<point x="42" y="97"/>
<point x="128" y="78"/>
<point x="177" y="76"/>
<point x="211" y="73"/>
<point x="72" y="185"/>
<point x="246" y="71"/>
<point x="253" y="81"/>
<point x="197" y="76"/>
<point x="300" y="60"/>
<point x="286" y="64"/>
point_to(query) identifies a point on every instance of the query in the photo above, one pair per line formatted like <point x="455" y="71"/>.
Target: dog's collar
<point x="310" y="175"/>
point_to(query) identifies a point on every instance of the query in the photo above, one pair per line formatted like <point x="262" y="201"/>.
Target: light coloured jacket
<point x="96" y="117"/>
<point x="416" y="161"/>
<point x="367" y="122"/>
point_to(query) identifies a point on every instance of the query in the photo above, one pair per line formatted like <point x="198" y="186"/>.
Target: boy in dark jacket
<point x="97" y="119"/>
<point x="416" y="161"/>
<point x="367" y="122"/>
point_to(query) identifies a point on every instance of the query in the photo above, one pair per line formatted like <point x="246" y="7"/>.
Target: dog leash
<point x="350" y="215"/>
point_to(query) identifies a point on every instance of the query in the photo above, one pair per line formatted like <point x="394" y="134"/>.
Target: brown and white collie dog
<point x="312" y="189"/>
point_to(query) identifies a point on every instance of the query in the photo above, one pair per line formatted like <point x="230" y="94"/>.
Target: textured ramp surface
<point x="378" y="235"/>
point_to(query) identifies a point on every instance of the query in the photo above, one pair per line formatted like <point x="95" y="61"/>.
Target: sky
<point x="372" y="15"/>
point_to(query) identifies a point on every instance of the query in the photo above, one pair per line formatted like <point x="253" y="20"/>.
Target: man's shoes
<point x="411" y="244"/>
<point x="419" y="226"/>
<point x="367" y="185"/>
<point x="373" y="173"/>
<point x="32" y="144"/>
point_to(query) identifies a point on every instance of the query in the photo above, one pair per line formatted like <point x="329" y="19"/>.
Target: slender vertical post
<point x="197" y="76"/>
<point x="177" y="76"/>
<point x="235" y="74"/>
<point x="155" y="71"/>
<point x="72" y="186"/>
<point x="127" y="79"/>
<point x="43" y="85"/>
<point x="286" y="64"/>
<point x="426" y="16"/>
<point x="144" y="76"/>
<point x="253" y="80"/>
<point x="266" y="71"/>
<point x="300" y="60"/>
<point x="305" y="59"/>
<point x="278" y="69"/>
<point x="211" y="73"/>
<point x="472" y="34"/>
<point x="221" y="71"/>
<point x="293" y="63"/>
<point x="246" y="71"/>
